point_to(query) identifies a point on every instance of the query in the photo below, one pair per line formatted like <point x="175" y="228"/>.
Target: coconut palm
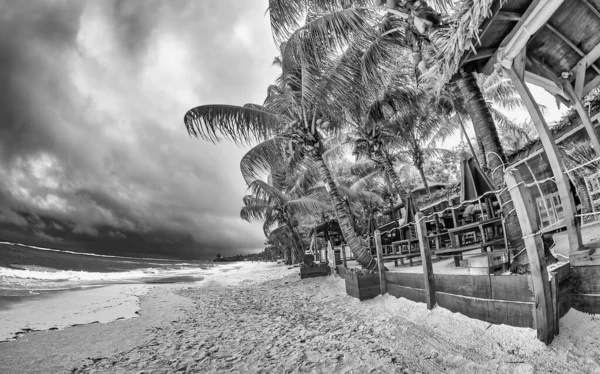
<point x="283" y="200"/>
<point x="311" y="100"/>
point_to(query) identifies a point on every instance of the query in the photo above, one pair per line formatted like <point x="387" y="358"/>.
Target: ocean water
<point x="30" y="271"/>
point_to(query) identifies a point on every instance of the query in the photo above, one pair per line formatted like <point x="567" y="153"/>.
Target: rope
<point x="582" y="165"/>
<point x="543" y="230"/>
<point x="501" y="162"/>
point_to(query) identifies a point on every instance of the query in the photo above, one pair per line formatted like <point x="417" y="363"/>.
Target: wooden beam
<point x="526" y="212"/>
<point x="588" y="59"/>
<point x="481" y="54"/>
<point x="592" y="8"/>
<point x="532" y="20"/>
<point x="570" y="43"/>
<point x="579" y="80"/>
<point x="545" y="83"/>
<point x="554" y="158"/>
<point x="508" y="16"/>
<point x="380" y="265"/>
<point x="519" y="64"/>
<point x="428" y="277"/>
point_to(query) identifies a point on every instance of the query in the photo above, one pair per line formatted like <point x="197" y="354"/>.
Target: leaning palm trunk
<point x="487" y="136"/>
<point x="389" y="170"/>
<point x="423" y="178"/>
<point x="298" y="250"/>
<point x="362" y="255"/>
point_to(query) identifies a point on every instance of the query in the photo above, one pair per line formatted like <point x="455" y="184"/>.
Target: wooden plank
<point x="369" y="292"/>
<point x="368" y="280"/>
<point x="555" y="311"/>
<point x="413" y="294"/>
<point x="493" y="311"/>
<point x="579" y="81"/>
<point x="508" y="16"/>
<point x="428" y="278"/>
<point x="341" y="270"/>
<point x="405" y="280"/>
<point x="481" y="54"/>
<point x="586" y="303"/>
<point x="526" y="212"/>
<point x="564" y="298"/>
<point x="586" y="279"/>
<point x="555" y="160"/>
<point x="380" y="265"/>
<point x="571" y="44"/>
<point x="512" y="288"/>
<point x="520" y="29"/>
<point x="545" y="83"/>
<point x="464" y="285"/>
<point x="592" y="8"/>
<point x="351" y="278"/>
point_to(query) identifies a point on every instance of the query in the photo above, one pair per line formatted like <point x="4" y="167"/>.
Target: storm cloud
<point x="93" y="152"/>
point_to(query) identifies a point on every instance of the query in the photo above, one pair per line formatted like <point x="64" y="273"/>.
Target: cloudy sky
<point x="94" y="155"/>
<point x="93" y="151"/>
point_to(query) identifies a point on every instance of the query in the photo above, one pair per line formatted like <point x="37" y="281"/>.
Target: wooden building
<point x="554" y="44"/>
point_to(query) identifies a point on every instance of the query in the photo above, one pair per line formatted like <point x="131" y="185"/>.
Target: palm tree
<point x="516" y="136"/>
<point x="282" y="200"/>
<point x="312" y="96"/>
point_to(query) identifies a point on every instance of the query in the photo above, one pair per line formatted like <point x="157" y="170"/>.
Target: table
<point x="458" y="248"/>
<point x="474" y="227"/>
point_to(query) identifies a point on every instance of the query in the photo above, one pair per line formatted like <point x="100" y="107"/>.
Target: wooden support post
<point x="555" y="304"/>
<point x="331" y="256"/>
<point x="583" y="114"/>
<point x="555" y="160"/>
<point x="426" y="260"/>
<point x="381" y="267"/>
<point x="344" y="257"/>
<point x="525" y="208"/>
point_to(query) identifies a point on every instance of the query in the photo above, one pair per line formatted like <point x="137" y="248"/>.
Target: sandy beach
<point x="261" y="318"/>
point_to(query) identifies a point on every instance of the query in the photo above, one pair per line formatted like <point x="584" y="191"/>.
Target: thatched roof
<point x="453" y="42"/>
<point x="446" y="194"/>
<point x="558" y="38"/>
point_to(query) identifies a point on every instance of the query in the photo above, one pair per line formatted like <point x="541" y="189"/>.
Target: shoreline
<point x="263" y="318"/>
<point x="84" y="304"/>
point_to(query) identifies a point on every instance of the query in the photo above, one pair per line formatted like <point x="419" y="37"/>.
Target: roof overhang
<point x="554" y="44"/>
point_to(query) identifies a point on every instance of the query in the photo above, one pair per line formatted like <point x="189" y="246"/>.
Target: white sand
<point x="69" y="308"/>
<point x="263" y="318"/>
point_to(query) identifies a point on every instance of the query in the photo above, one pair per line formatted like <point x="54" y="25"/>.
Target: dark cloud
<point x="93" y="152"/>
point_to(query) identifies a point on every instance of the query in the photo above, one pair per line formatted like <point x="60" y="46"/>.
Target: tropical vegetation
<point x="355" y="120"/>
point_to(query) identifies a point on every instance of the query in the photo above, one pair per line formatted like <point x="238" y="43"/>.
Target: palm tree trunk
<point x="297" y="242"/>
<point x="464" y="131"/>
<point x="390" y="172"/>
<point x="493" y="156"/>
<point x="362" y="255"/>
<point x="423" y="178"/>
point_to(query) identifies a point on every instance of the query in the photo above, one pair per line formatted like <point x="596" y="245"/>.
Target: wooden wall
<point x="496" y="299"/>
<point x="586" y="288"/>
<point x="362" y="287"/>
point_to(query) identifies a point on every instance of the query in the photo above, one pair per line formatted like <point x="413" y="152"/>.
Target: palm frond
<point x="240" y="125"/>
<point x="308" y="206"/>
